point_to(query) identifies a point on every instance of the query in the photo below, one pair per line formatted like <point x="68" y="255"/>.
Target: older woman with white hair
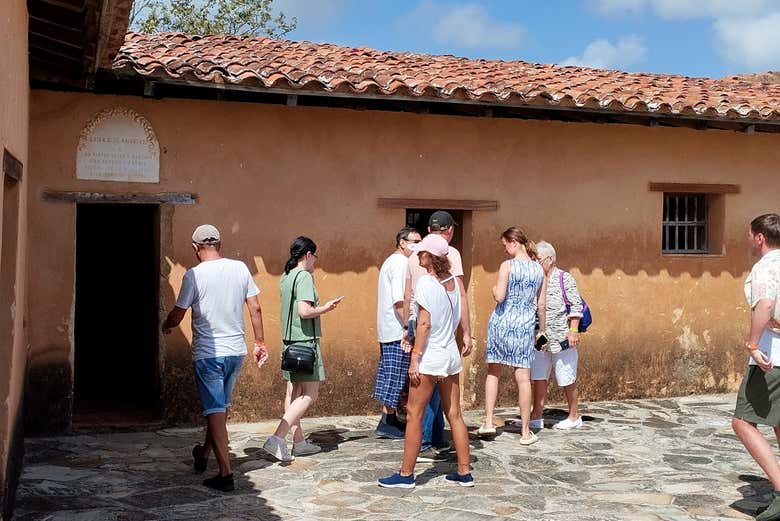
<point x="562" y="331"/>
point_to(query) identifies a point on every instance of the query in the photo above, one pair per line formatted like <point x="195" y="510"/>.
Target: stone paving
<point x="669" y="459"/>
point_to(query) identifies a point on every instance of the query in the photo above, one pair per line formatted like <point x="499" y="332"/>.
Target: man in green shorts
<point x="758" y="401"/>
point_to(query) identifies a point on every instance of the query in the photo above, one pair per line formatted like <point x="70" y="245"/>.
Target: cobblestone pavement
<point x="668" y="459"/>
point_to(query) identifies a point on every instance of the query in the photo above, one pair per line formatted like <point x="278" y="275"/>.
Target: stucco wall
<point x="265" y="174"/>
<point x="14" y="120"/>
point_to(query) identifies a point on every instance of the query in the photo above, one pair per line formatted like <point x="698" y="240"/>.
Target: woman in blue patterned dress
<point x="519" y="296"/>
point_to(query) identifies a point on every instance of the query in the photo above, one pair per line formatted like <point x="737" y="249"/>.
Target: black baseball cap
<point x="440" y="220"/>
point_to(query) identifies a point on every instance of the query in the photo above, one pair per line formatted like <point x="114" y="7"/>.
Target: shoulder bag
<point x="297" y="357"/>
<point x="587" y="318"/>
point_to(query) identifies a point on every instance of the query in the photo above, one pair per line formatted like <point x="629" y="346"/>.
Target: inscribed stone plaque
<point x="118" y="145"/>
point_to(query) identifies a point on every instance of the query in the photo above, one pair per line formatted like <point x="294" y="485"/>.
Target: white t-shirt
<point x="392" y="280"/>
<point x="444" y="307"/>
<point x="216" y="290"/>
<point x="440" y="355"/>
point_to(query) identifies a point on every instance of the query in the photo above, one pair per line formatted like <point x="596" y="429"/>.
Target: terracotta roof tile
<point x="295" y="66"/>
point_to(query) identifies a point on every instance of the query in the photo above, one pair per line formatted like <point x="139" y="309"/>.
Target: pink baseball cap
<point x="432" y="243"/>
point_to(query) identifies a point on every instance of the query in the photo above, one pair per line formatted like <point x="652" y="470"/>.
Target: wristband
<point x="260" y="343"/>
<point x="751" y="346"/>
<point x="573" y="330"/>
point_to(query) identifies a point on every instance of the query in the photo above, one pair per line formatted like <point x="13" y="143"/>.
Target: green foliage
<point x="239" y="17"/>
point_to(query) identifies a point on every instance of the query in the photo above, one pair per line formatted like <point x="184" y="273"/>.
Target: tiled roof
<point x="267" y="63"/>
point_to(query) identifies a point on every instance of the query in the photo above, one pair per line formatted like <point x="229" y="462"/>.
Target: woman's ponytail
<point x="299" y="247"/>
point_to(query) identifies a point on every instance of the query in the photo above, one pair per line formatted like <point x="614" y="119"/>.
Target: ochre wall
<point x="265" y="174"/>
<point x="14" y="122"/>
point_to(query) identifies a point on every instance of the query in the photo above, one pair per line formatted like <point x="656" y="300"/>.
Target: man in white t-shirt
<point x="758" y="399"/>
<point x="391" y="372"/>
<point x="216" y="290"/>
<point x="440" y="223"/>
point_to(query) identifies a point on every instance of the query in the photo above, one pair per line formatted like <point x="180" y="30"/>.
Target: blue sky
<point x="693" y="37"/>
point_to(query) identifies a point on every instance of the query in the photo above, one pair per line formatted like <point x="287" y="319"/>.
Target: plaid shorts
<point x="391" y="373"/>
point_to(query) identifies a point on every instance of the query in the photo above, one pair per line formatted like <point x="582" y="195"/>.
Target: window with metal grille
<point x="685" y="222"/>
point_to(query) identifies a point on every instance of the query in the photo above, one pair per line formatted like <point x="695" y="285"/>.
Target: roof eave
<point x="537" y="102"/>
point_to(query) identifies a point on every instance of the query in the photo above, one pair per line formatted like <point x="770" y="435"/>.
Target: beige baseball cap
<point x="205" y="234"/>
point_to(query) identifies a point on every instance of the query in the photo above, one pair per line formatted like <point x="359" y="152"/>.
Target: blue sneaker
<point x="388" y="431"/>
<point x="398" y="481"/>
<point x="464" y="480"/>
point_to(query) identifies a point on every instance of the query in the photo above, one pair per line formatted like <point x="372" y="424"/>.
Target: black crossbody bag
<point x="297" y="358"/>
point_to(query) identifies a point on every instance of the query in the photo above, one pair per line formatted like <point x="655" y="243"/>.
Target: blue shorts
<point x="216" y="378"/>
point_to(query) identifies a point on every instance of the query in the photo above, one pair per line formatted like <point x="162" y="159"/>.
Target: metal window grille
<point x="685" y="223"/>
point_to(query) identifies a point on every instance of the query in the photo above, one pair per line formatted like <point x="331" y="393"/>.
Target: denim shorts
<point x="216" y="378"/>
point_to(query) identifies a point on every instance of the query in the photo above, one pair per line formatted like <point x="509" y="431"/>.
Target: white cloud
<point x="466" y="25"/>
<point x="601" y="54"/>
<point x="750" y="43"/>
<point x="746" y="32"/>
<point x="683" y="9"/>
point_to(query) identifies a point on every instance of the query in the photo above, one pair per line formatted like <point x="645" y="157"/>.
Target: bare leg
<point x="449" y="388"/>
<point x="219" y="437"/>
<point x="523" y="379"/>
<point x="303" y="395"/>
<point x="491" y="392"/>
<point x="573" y="399"/>
<point x="759" y="448"/>
<point x="292" y="393"/>
<point x="540" y="394"/>
<point x="415" y="408"/>
<point x="208" y="444"/>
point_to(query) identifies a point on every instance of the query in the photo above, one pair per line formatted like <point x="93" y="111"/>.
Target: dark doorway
<point x="116" y="321"/>
<point x="418" y="219"/>
<point x="461" y="240"/>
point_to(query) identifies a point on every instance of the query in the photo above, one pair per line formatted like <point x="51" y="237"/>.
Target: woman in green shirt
<point x="300" y="322"/>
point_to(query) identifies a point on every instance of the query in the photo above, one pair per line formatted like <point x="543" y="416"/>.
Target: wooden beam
<point x="447" y="204"/>
<point x="694" y="188"/>
<point x="56" y="196"/>
<point x="12" y="167"/>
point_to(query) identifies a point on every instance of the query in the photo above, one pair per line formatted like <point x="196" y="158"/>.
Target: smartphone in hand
<point x="541" y="341"/>
<point x="565" y="344"/>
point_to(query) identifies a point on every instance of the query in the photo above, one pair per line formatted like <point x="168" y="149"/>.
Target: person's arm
<point x="575" y="311"/>
<point x="465" y="318"/>
<point x="183" y="302"/>
<point x="541" y="305"/>
<point x="306" y="296"/>
<point x="307" y="309"/>
<point x="499" y="290"/>
<point x="420" y="339"/>
<point x="260" y="352"/>
<point x="760" y="317"/>
<point x="173" y="319"/>
<point x="398" y="275"/>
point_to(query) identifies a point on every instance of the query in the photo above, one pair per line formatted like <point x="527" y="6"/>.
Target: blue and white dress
<point x="511" y="327"/>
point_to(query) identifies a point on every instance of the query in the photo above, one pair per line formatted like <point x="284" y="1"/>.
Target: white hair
<point x="545" y="249"/>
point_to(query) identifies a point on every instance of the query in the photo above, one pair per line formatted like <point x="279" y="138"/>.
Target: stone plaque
<point x="118" y="145"/>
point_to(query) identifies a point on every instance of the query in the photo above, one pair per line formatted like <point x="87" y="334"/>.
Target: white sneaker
<point x="536" y="424"/>
<point x="305" y="448"/>
<point x="567" y="424"/>
<point x="277" y="449"/>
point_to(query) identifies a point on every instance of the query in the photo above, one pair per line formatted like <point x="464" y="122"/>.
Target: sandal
<point x="530" y="440"/>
